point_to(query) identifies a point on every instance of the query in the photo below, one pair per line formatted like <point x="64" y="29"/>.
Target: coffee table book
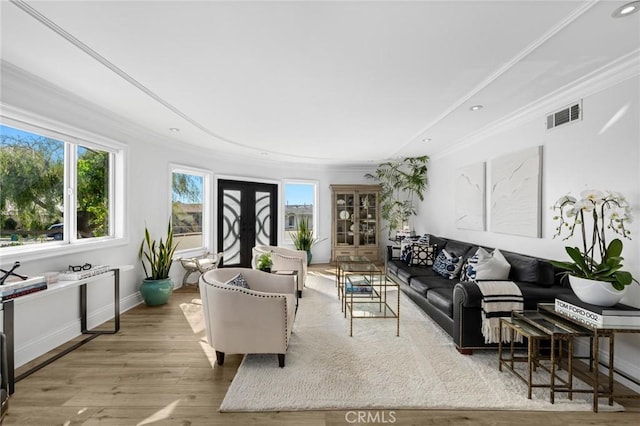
<point x="617" y="315"/>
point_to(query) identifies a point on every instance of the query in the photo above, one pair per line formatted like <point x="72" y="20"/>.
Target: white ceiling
<point x="315" y="82"/>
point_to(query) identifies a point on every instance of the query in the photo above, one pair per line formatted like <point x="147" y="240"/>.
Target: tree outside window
<point x="32" y="201"/>
<point x="188" y="209"/>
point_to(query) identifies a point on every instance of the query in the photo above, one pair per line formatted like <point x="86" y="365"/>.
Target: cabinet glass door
<point x="345" y="226"/>
<point x="367" y="219"/>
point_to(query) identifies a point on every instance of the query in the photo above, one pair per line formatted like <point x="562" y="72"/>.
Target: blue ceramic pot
<point x="156" y="292"/>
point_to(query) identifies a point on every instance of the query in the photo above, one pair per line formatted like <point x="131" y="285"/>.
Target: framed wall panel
<point x="516" y="193"/>
<point x="470" y="197"/>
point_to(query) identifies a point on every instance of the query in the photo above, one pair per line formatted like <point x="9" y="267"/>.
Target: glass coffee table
<point x="365" y="295"/>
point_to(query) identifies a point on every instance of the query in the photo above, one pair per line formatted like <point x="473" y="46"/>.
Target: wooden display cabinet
<point x="355" y="224"/>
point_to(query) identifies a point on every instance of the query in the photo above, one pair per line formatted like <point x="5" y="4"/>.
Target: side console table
<point x="596" y="333"/>
<point x="8" y="308"/>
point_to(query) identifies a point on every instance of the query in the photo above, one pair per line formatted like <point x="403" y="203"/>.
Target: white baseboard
<point x="43" y="344"/>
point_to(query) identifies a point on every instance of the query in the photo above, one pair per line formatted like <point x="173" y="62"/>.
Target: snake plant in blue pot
<point x="156" y="258"/>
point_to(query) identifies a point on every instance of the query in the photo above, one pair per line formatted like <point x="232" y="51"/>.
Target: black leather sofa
<point x="455" y="305"/>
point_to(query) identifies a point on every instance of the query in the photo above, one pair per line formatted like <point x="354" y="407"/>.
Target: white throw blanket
<point x="499" y="298"/>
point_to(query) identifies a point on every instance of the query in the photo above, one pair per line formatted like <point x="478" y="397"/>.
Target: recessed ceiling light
<point x="426" y="140"/>
<point x="627" y="9"/>
<point x="476" y="107"/>
<point x="174" y="129"/>
<point x="264" y="153"/>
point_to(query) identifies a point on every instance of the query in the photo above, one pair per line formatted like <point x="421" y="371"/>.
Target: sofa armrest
<point x="467" y="294"/>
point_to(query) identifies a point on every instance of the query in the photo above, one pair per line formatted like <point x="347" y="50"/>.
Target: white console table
<point x="9" y="306"/>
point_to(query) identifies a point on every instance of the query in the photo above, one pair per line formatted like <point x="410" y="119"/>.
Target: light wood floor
<point x="158" y="371"/>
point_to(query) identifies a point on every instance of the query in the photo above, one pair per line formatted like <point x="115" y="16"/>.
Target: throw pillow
<point x="469" y="269"/>
<point x="406" y="250"/>
<point x="422" y="254"/>
<point x="492" y="266"/>
<point x="424" y="239"/>
<point x="238" y="281"/>
<point x="447" y="264"/>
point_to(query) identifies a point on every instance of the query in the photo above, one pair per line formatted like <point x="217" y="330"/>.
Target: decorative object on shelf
<point x="157" y="286"/>
<point x="264" y="262"/>
<point x="344" y="215"/>
<point x="596" y="262"/>
<point x="11" y="273"/>
<point x="401" y="181"/>
<point x="303" y="238"/>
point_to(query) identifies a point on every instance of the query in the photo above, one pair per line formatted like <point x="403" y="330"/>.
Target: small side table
<point x="533" y="336"/>
<point x="293" y="273"/>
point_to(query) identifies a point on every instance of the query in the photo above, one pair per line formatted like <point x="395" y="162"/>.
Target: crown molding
<point x="607" y="76"/>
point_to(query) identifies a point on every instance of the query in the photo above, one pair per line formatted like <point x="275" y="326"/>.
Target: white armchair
<point x="284" y="259"/>
<point x="247" y="321"/>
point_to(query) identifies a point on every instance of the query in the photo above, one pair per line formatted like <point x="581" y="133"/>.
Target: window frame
<point x="285" y="238"/>
<point x="72" y="139"/>
<point x="207" y="208"/>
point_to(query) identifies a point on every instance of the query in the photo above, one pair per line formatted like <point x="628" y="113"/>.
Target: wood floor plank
<point x="158" y="370"/>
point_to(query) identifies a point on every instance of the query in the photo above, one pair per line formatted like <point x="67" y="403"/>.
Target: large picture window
<point x="55" y="189"/>
<point x="299" y="203"/>
<point x="190" y="201"/>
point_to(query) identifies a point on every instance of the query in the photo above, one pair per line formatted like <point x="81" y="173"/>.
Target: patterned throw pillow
<point x="469" y="269"/>
<point x="424" y="239"/>
<point x="448" y="265"/>
<point x="406" y="250"/>
<point x="422" y="254"/>
<point x="238" y="281"/>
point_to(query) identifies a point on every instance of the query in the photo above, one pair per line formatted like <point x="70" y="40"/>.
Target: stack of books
<point x="599" y="316"/>
<point x="84" y="274"/>
<point x="15" y="288"/>
<point x="359" y="288"/>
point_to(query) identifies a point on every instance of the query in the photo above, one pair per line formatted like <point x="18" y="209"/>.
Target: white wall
<point x="602" y="152"/>
<point x="46" y="322"/>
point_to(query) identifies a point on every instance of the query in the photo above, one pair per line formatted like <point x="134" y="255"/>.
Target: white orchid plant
<point x="608" y="211"/>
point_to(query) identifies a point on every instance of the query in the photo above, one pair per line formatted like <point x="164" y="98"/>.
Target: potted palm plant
<point x="303" y="238"/>
<point x="157" y="286"/>
<point x="400" y="181"/>
<point x="595" y="270"/>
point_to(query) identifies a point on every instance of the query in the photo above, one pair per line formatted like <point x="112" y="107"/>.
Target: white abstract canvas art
<point x="470" y="195"/>
<point x="515" y="193"/>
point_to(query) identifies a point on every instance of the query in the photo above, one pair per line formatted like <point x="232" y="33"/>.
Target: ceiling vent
<point x="566" y="115"/>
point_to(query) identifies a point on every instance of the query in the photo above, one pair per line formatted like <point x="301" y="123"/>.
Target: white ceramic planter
<point x="599" y="293"/>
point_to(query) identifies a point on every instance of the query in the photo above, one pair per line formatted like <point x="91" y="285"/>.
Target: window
<point x="190" y="203"/>
<point x="56" y="189"/>
<point x="299" y="203"/>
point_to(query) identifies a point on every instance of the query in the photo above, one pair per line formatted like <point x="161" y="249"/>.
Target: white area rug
<point x="326" y="369"/>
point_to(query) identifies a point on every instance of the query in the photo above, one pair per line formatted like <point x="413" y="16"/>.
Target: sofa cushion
<point x="424" y="283"/>
<point x="422" y="254"/>
<point x="530" y="269"/>
<point x="491" y="266"/>
<point x="442" y="298"/>
<point x="406" y="272"/>
<point x="447" y="264"/>
<point x="456" y="248"/>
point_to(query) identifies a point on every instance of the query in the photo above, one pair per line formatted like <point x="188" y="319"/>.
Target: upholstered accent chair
<point x="200" y="265"/>
<point x="284" y="259"/>
<point x="253" y="320"/>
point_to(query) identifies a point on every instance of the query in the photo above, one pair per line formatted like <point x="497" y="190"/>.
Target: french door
<point x="247" y="216"/>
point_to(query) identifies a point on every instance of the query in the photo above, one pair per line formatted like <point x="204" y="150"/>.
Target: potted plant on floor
<point x="303" y="238"/>
<point x="157" y="286"/>
<point x="595" y="270"/>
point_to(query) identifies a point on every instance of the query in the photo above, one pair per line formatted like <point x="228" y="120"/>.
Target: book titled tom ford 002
<point x="617" y="315"/>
